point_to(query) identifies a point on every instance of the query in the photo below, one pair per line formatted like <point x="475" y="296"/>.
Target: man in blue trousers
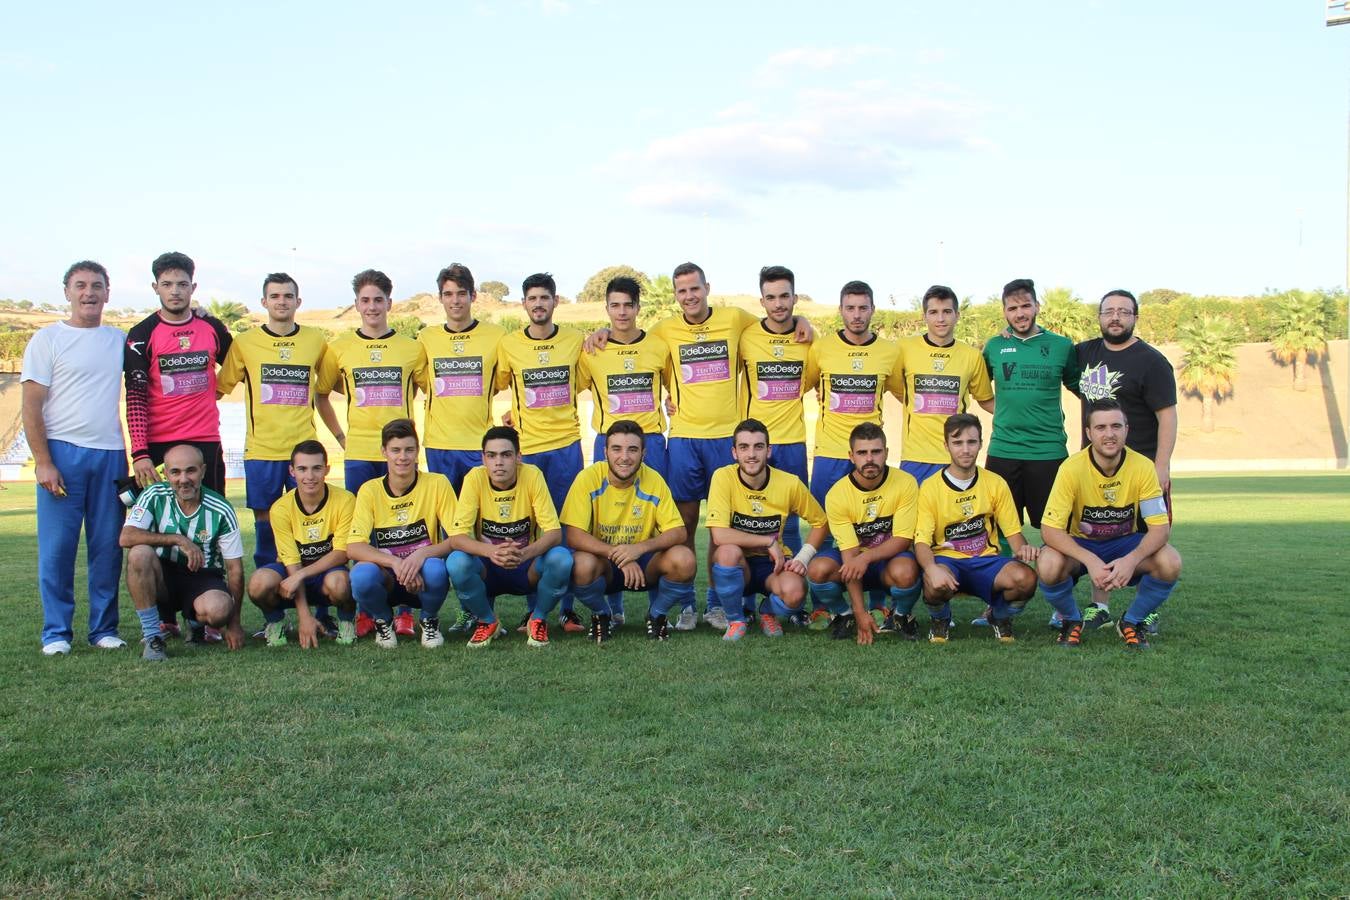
<point x="71" y="378"/>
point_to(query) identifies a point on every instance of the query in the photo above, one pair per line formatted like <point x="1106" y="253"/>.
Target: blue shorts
<point x="453" y="464"/>
<point x="920" y="470"/>
<point x="1110" y="550"/>
<point x="872" y="578"/>
<point x="975" y="576"/>
<point x="790" y="458"/>
<point x="357" y="472"/>
<point x="825" y="471"/>
<point x="653" y="452"/>
<point x="265" y="480"/>
<point x="313" y="586"/>
<point x="560" y="467"/>
<point x="692" y="462"/>
<point x="515" y="581"/>
<point x="761" y="567"/>
<point x="614" y="580"/>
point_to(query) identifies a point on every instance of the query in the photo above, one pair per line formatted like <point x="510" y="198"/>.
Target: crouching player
<point x="395" y="539"/>
<point x="310" y="524"/>
<point x="507" y="540"/>
<point x="186" y="549"/>
<point x="962" y="509"/>
<point x="748" y="503"/>
<point x="1091" y="525"/>
<point x="871" y="514"/>
<point x="626" y="533"/>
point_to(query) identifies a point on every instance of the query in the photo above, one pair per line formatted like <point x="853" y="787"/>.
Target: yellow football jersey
<point x="773" y="369"/>
<point x="518" y="513"/>
<point x="618" y="515"/>
<point x="625" y="383"/>
<point x="705" y="359"/>
<point x="542" y="375"/>
<point x="379" y="376"/>
<point x="1088" y="503"/>
<point x="281" y="374"/>
<point x="863" y="519"/>
<point x="734" y="504"/>
<point x="849" y="380"/>
<point x="965" y="523"/>
<point x="458" y="382"/>
<point x="399" y="525"/>
<point x="936" y="382"/>
<point x="304" y="536"/>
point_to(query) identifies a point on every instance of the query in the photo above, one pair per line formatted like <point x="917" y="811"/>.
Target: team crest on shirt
<point x="857" y="364"/>
<point x="184" y="341"/>
<point x="637" y="510"/>
<point x="457" y="348"/>
<point x="629" y="364"/>
<point x="756" y="507"/>
<point x="203" y="535"/>
<point x="311" y="533"/>
<point x="401" y="517"/>
<point x="967" y="509"/>
<point x="503" y="510"/>
<point x="939" y="364"/>
<point x="778" y="351"/>
<point x="871" y="512"/>
<point x="376" y="355"/>
<point x="284" y="354"/>
<point x="543" y="357"/>
<point x="1110" y="495"/>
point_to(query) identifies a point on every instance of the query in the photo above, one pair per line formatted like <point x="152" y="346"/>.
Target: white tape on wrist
<point x="805" y="555"/>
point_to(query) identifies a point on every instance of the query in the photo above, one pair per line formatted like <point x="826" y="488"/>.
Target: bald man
<point x="184" y="544"/>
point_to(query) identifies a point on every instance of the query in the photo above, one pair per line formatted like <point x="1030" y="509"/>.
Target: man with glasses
<point x="1136" y="375"/>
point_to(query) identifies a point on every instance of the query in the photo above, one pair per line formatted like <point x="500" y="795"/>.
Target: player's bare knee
<point x="1023" y="579"/>
<point x="822" y="569"/>
<point x="903" y="572"/>
<point x="141" y="558"/>
<point x="727" y="555"/>
<point x="337" y="585"/>
<point x="1052" y="566"/>
<point x="1167" y="564"/>
<point x="679" y="563"/>
<point x="213" y="608"/>
<point x="586" y="567"/>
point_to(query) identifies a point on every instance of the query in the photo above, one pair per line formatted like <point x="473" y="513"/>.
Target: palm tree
<point x="1210" y="363"/>
<point x="1063" y="313"/>
<point x="1300" y="333"/>
<point x="227" y="311"/>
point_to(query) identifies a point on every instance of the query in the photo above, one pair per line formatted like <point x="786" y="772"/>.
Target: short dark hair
<point x="866" y="431"/>
<point x="940" y="292"/>
<point x="86" y="265"/>
<point x="459" y="274"/>
<point x="1104" y="404"/>
<point x="502" y="433"/>
<point x="777" y="273"/>
<point x="1118" y="292"/>
<point x="689" y="268"/>
<point x="310" y="447"/>
<point x="397" y="428"/>
<point x="1021" y="286"/>
<point x="751" y="426"/>
<point x="167" y="262"/>
<point x="625" y="426"/>
<point x="540" y="280"/>
<point x="373" y="277"/>
<point x="622" y="284"/>
<point x="857" y="287"/>
<point x="280" y="278"/>
<point x="959" y="422"/>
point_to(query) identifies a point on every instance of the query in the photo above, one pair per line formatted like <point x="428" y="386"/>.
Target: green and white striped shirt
<point x="213" y="526"/>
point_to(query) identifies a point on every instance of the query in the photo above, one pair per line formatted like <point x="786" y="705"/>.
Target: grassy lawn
<point x="1215" y="764"/>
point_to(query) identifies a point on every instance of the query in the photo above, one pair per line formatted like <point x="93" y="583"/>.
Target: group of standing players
<point x="512" y="509"/>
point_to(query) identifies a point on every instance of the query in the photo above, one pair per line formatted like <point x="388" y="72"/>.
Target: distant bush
<point x="13" y="342"/>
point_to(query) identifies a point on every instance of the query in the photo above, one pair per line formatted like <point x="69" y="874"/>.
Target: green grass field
<point x="1216" y="764"/>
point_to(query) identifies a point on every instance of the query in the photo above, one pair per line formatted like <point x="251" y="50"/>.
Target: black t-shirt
<point x="1138" y="377"/>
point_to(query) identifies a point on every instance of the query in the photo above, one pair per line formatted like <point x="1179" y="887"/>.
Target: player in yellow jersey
<point x="773" y="366"/>
<point x="962" y="510"/>
<point x="279" y="363"/>
<point x="938" y="374"/>
<point x="396" y="539"/>
<point x="626" y="375"/>
<point x="625" y="532"/>
<point x="748" y="502"/>
<point x="1091" y="525"/>
<point x="507" y="540"/>
<point x="459" y="378"/>
<point x="312" y="523"/>
<point x="871" y="513"/>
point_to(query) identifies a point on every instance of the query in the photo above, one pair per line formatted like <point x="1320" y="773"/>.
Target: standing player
<point x="396" y="540"/>
<point x="748" y="503"/>
<point x="70" y="398"/>
<point x="1130" y="371"/>
<point x="279" y="363"/>
<point x="625" y="532"/>
<point x="377" y="368"/>
<point x="312" y="523"/>
<point x="773" y="369"/>
<point x="1099" y="496"/>
<point x="961" y="512"/>
<point x="186" y="549"/>
<point x="871" y="514"/>
<point x="939" y="375"/>
<point x="459" y="376"/>
<point x="507" y="540"/>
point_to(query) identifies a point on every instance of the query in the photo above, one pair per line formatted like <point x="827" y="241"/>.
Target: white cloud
<point x="816" y="59"/>
<point x="686" y="198"/>
<point x="554" y="7"/>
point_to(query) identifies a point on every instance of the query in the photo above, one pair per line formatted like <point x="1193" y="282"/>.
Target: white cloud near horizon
<point x="816" y="59"/>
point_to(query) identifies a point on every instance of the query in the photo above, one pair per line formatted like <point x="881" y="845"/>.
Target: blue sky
<point x="1200" y="147"/>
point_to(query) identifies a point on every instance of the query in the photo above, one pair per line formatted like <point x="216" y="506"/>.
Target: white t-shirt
<point x="82" y="371"/>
